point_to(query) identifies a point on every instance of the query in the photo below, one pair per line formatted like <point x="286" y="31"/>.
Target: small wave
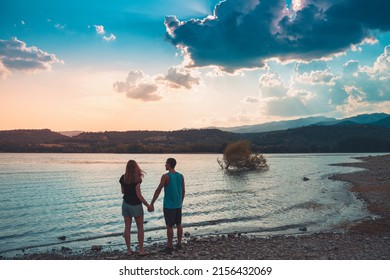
<point x="305" y="205"/>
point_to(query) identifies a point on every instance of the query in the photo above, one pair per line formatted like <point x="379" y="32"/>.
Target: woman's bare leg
<point x="140" y="226"/>
<point x="127" y="233"/>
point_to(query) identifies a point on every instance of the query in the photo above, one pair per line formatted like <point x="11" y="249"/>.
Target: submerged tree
<point x="239" y="156"/>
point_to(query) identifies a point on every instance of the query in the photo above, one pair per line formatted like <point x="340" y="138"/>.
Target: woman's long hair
<point x="133" y="173"/>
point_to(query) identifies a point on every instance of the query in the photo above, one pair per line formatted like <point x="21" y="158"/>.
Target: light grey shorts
<point x="132" y="210"/>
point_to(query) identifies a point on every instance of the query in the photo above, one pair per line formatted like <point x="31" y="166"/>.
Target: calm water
<point x="45" y="196"/>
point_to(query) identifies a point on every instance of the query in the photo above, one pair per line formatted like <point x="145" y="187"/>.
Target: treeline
<point x="182" y="141"/>
<point x="310" y="139"/>
<point x="350" y="138"/>
<point x="110" y="148"/>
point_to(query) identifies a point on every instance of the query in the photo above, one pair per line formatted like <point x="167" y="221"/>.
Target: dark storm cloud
<point x="245" y="33"/>
<point x="372" y="14"/>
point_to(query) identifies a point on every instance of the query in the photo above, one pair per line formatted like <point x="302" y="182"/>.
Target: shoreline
<point x="365" y="240"/>
<point x="372" y="185"/>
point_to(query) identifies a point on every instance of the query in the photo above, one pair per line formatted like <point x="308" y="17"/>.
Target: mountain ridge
<point x="320" y="120"/>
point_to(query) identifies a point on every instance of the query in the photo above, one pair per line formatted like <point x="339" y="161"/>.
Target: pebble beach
<point x="365" y="240"/>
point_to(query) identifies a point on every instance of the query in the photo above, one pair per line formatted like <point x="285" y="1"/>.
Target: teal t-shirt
<point x="173" y="191"/>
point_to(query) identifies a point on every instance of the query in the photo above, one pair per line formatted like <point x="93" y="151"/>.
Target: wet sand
<point x="366" y="240"/>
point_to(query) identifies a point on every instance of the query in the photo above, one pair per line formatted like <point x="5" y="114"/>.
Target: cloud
<point x="297" y="4"/>
<point x="320" y="77"/>
<point x="60" y="26"/>
<point x="381" y="67"/>
<point x="351" y="67"/>
<point x="100" y="30"/>
<point x="246" y="33"/>
<point x="316" y="90"/>
<point x="138" y="86"/>
<point x="300" y="103"/>
<point x="4" y="72"/>
<point x="372" y="81"/>
<point x="148" y="88"/>
<point x="271" y="85"/>
<point x="15" y="55"/>
<point x="251" y="99"/>
<point x="112" y="37"/>
<point x="178" y="77"/>
<point x="301" y="68"/>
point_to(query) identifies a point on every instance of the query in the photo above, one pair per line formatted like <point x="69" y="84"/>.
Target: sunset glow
<point x="168" y="65"/>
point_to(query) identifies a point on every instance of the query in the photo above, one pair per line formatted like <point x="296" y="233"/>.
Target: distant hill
<point x="324" y="139"/>
<point x="383" y="122"/>
<point x="367" y="118"/>
<point x="320" y="121"/>
<point x="30" y="136"/>
<point x="359" y="119"/>
<point x="277" y="125"/>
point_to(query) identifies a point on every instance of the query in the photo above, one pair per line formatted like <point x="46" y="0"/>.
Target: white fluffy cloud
<point x="138" y="86"/>
<point x="312" y="90"/>
<point x="112" y="37"/>
<point x="271" y="85"/>
<point x="373" y="81"/>
<point x="381" y="67"/>
<point x="149" y="88"/>
<point x="100" y="30"/>
<point x="297" y="4"/>
<point x="4" y="72"/>
<point x="321" y="77"/>
<point x="178" y="77"/>
<point x="15" y="55"/>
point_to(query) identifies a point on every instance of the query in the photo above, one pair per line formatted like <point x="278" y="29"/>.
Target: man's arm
<point x="183" y="187"/>
<point x="163" y="183"/>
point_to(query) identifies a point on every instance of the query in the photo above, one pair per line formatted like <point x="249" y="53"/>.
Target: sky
<point x="173" y="64"/>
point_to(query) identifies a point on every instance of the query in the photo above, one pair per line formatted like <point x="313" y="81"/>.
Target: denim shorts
<point x="129" y="210"/>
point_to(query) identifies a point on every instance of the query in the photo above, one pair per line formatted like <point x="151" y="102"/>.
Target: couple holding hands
<point x="174" y="192"/>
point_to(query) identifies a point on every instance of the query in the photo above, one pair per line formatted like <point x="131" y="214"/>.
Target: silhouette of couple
<point x="174" y="192"/>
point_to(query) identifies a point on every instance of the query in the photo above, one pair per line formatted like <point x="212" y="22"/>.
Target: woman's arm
<point x="139" y="195"/>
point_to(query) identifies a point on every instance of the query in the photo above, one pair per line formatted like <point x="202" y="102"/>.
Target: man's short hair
<point x="171" y="162"/>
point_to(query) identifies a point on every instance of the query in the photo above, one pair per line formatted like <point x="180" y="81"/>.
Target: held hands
<point x="150" y="208"/>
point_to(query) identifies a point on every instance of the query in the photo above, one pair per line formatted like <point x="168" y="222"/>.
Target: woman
<point x="132" y="203"/>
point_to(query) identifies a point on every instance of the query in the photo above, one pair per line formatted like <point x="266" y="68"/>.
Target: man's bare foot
<point x="141" y="252"/>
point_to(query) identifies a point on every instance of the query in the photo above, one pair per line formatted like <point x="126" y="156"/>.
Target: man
<point x="174" y="192"/>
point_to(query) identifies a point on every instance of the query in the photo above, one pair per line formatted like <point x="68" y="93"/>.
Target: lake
<point x="46" y="196"/>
